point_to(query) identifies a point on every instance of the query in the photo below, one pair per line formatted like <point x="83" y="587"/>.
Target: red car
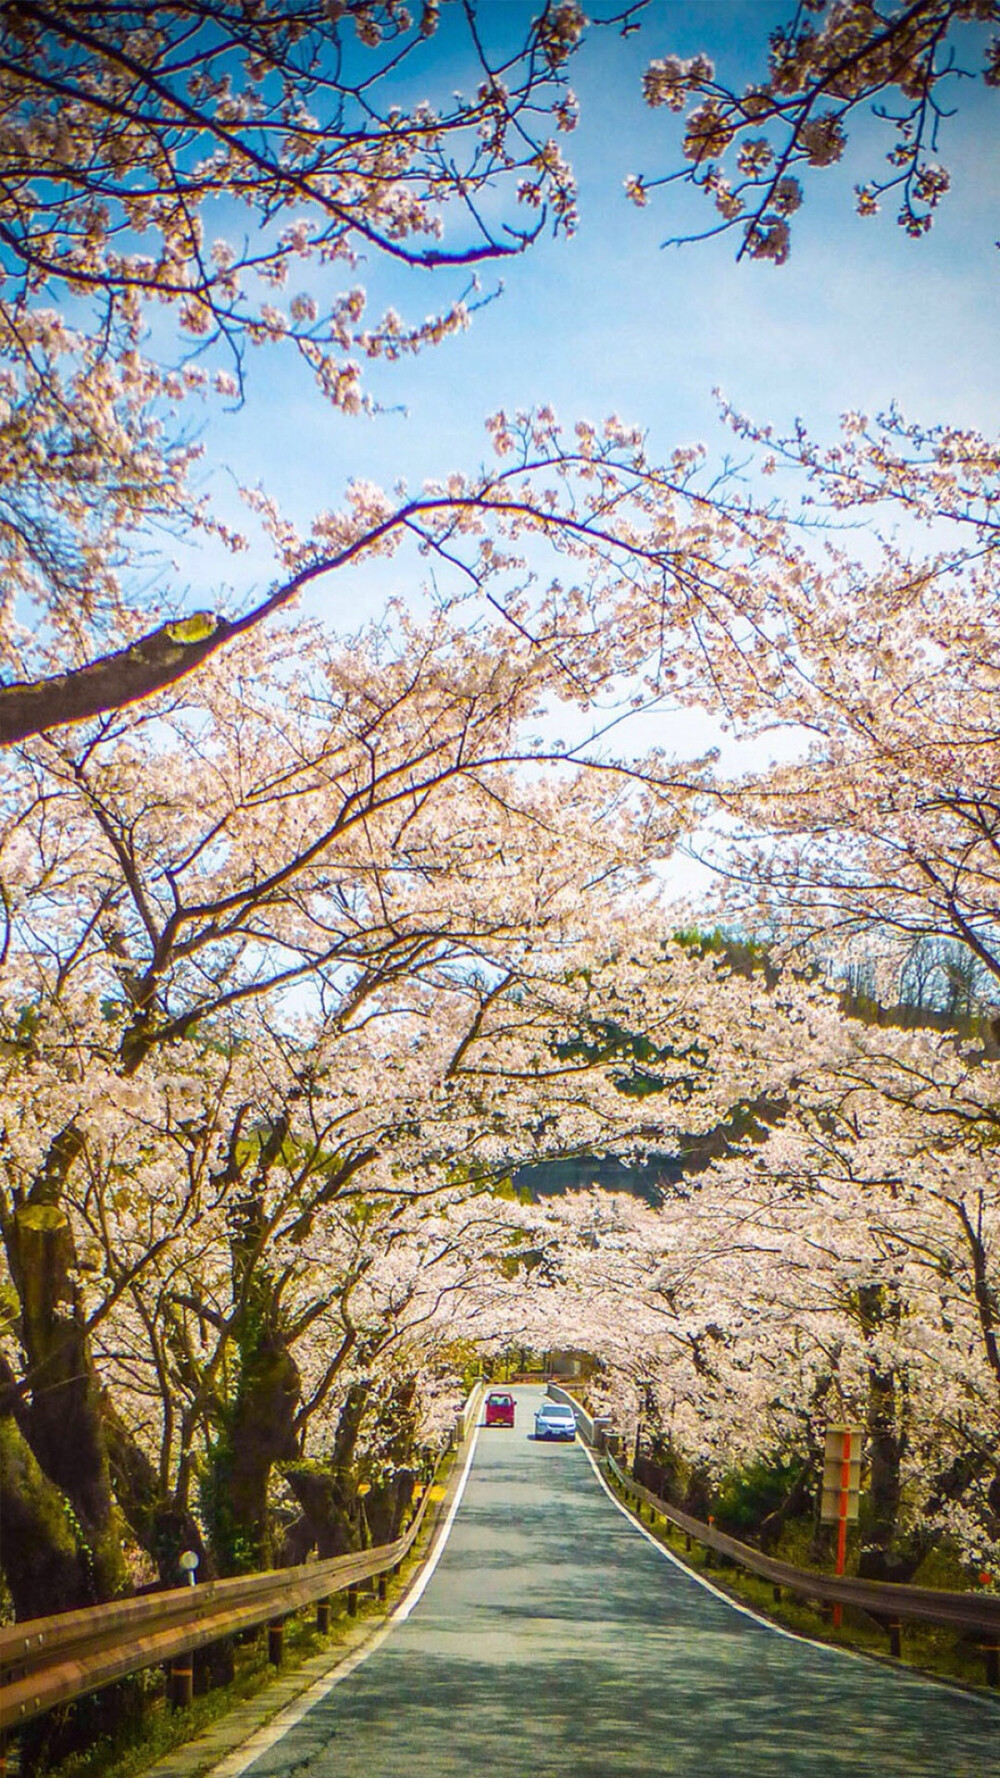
<point x="499" y="1408"/>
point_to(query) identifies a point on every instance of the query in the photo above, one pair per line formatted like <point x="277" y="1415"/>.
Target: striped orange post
<point x="845" y="1495"/>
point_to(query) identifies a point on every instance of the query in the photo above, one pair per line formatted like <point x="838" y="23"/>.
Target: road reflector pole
<point x="841" y="1488"/>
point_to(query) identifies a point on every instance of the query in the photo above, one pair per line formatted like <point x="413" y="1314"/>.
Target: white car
<point x="555" y="1419"/>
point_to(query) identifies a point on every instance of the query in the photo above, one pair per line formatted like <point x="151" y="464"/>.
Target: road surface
<point x="553" y="1638"/>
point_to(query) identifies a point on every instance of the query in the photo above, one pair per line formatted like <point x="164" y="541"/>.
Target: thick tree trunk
<point x="663" y="1469"/>
<point x="163" y="1529"/>
<point x="259" y="1432"/>
<point x="698" y="1493"/>
<point x="62" y="1416"/>
<point x="886" y="1443"/>
<point x="62" y="1544"/>
<point x="332" y="1520"/>
<point x="45" y="1567"/>
<point x="794" y="1504"/>
<point x="388" y="1501"/>
<point x="262" y="1433"/>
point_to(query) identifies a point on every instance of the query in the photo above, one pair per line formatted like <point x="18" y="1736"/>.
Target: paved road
<point x="554" y="1639"/>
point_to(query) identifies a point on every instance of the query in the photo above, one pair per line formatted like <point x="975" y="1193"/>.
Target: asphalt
<point x="553" y="1638"/>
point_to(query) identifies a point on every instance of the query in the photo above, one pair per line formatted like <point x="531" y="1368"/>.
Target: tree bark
<point x="886" y="1441"/>
<point x="160" y="1526"/>
<point x="44" y="1565"/>
<point x="258" y="1432"/>
<point x="63" y="1415"/>
<point x="161" y="658"/>
<point x="332" y="1521"/>
<point x="388" y="1501"/>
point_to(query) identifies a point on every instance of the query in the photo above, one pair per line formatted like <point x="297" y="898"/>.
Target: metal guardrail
<point x="52" y="1660"/>
<point x="888" y="1601"/>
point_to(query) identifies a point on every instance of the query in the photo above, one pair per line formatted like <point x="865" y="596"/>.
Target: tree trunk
<point x="792" y="1507"/>
<point x="332" y="1520"/>
<point x="62" y="1418"/>
<point x="388" y="1500"/>
<point x="259" y="1431"/>
<point x="44" y="1566"/>
<point x="331" y="1517"/>
<point x="886" y="1443"/>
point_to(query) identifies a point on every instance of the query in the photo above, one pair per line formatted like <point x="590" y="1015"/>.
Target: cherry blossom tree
<point x="879" y="822"/>
<point x="750" y="150"/>
<point x="841" y="1264"/>
<point x="883" y="1172"/>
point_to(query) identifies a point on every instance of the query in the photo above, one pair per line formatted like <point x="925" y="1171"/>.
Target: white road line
<point x="829" y="1648"/>
<point x="243" y="1758"/>
<point x="692" y="1573"/>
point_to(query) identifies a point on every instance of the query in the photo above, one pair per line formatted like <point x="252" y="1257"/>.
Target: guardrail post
<point x="181" y="1682"/>
<point x="776" y="1594"/>
<point x="276" y="1641"/>
<point x="352" y="1601"/>
<point x="381" y="1587"/>
<point x="991" y="1651"/>
<point x="895" y="1638"/>
<point x="323" y="1616"/>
